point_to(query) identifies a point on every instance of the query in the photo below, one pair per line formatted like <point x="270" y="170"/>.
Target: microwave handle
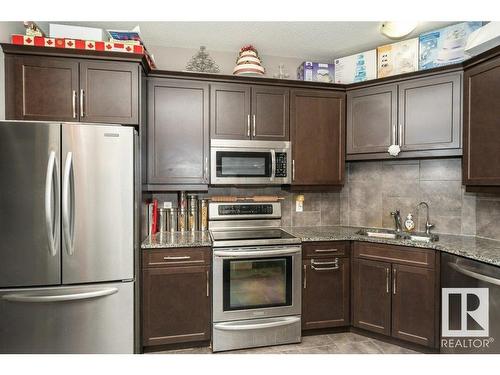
<point x="273" y="164"/>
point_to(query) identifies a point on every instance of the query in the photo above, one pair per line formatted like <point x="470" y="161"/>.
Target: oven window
<point x="243" y="164"/>
<point x="257" y="283"/>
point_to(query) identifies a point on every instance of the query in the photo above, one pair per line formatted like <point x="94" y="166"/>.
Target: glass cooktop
<point x="249" y="237"/>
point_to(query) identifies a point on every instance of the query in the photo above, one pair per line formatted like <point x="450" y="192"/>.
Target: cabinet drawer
<point x="395" y="254"/>
<point x="325" y="249"/>
<point x="188" y="256"/>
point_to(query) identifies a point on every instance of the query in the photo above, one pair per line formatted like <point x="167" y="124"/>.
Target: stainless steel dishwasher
<point x="458" y="272"/>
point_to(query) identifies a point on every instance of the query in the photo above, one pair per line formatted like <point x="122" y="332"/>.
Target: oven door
<point x="256" y="282"/>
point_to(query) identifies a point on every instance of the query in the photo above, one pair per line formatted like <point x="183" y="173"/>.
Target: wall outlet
<point x="299" y="203"/>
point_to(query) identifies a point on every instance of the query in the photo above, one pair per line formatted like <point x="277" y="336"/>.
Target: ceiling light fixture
<point x="397" y="29"/>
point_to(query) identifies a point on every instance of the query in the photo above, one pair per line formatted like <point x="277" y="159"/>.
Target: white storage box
<point x="483" y="39"/>
<point x="76" y="32"/>
<point x="445" y="46"/>
<point x="397" y="58"/>
<point x="356" y="68"/>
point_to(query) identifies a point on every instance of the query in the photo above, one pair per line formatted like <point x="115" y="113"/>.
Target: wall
<point x="170" y="58"/>
<point x="374" y="189"/>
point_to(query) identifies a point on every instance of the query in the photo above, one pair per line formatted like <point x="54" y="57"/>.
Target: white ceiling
<point x="311" y="40"/>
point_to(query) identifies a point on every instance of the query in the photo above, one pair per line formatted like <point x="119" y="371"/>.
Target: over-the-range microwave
<point x="242" y="162"/>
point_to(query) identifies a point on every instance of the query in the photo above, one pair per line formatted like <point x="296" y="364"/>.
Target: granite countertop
<point x="164" y="240"/>
<point x="484" y="250"/>
<point x="481" y="249"/>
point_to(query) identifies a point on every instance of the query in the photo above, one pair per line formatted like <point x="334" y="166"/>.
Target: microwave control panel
<point x="280" y="164"/>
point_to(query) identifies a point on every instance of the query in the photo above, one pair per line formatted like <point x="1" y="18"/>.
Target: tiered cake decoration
<point x="248" y="62"/>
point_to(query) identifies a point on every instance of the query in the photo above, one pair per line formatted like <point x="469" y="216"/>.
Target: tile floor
<point x="335" y="343"/>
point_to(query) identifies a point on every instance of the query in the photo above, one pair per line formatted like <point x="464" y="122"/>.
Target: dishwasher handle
<point x="475" y="275"/>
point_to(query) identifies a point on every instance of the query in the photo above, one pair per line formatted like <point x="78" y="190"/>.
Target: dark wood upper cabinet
<point x="414" y="304"/>
<point x="270" y="113"/>
<point x="65" y="89"/>
<point x="249" y="112"/>
<point x="317" y="132"/>
<point x="230" y="111"/>
<point x="41" y="88"/>
<point x="325" y="294"/>
<point x="177" y="132"/>
<point x="481" y="162"/>
<point x="430" y="113"/>
<point x="422" y="116"/>
<point x="176" y="305"/>
<point x="371" y="119"/>
<point x="371" y="295"/>
<point x="110" y="92"/>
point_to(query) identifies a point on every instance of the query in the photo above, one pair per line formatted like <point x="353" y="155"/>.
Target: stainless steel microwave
<point x="242" y="162"/>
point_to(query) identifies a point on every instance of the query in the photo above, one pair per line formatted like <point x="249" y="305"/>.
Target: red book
<point x="155" y="216"/>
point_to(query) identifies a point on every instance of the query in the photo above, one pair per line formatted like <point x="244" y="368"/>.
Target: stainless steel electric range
<point x="256" y="277"/>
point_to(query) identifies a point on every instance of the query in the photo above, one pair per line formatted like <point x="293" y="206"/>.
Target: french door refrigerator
<point x="66" y="238"/>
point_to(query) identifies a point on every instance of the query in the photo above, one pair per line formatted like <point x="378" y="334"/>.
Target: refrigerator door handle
<point x="67" y="206"/>
<point x="52" y="190"/>
<point x="59" y="297"/>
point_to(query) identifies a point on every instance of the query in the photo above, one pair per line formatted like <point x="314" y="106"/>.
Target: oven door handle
<point x="231" y="326"/>
<point x="264" y="253"/>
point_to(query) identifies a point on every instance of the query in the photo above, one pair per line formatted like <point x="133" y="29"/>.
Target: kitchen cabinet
<point x="325" y="285"/>
<point x="371" y="298"/>
<point x="395" y="292"/>
<point x="371" y="119"/>
<point x="481" y="162"/>
<point x="430" y="111"/>
<point x="317" y="129"/>
<point x="109" y="92"/>
<point x="241" y="111"/>
<point x="413" y="304"/>
<point x="170" y="314"/>
<point x="41" y="88"/>
<point x="230" y="111"/>
<point x="422" y="116"/>
<point x="66" y="89"/>
<point x="177" y="137"/>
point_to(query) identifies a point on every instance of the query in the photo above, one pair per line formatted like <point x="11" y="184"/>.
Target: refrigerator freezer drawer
<point x="95" y="318"/>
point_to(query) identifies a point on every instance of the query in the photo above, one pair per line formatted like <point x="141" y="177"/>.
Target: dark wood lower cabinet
<point x="325" y="294"/>
<point x="371" y="296"/>
<point x="176" y="300"/>
<point x="413" y="307"/>
<point x="398" y="294"/>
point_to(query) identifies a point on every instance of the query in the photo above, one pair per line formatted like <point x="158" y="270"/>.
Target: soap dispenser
<point x="409" y="223"/>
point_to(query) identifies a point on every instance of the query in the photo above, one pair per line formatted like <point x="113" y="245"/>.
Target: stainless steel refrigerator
<point x="66" y="238"/>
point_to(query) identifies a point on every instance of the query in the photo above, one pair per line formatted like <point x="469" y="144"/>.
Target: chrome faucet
<point x="428" y="225"/>
<point x="397" y="221"/>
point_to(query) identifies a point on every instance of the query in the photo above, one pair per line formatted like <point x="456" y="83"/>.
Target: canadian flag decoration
<point x="39" y="41"/>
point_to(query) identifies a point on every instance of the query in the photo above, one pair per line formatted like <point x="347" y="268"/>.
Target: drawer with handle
<point x="188" y="256"/>
<point x="325" y="249"/>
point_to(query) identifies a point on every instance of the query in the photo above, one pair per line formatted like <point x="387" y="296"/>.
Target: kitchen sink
<point x="393" y="235"/>
<point x="379" y="234"/>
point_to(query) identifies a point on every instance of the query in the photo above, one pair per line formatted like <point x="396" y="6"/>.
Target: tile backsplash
<point x="374" y="189"/>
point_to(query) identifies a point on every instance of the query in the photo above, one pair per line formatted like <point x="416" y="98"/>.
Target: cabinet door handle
<point x="205" y="173"/>
<point x="387" y="280"/>
<point x="253" y="126"/>
<point x="394" y="134"/>
<point x="400" y="135"/>
<point x="73" y="102"/>
<point x="305" y="276"/>
<point x="208" y="284"/>
<point x="82" y="94"/>
<point x="177" y="258"/>
<point x="248" y="125"/>
<point x="293" y="169"/>
<point x="394" y="281"/>
<point x="325" y="250"/>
